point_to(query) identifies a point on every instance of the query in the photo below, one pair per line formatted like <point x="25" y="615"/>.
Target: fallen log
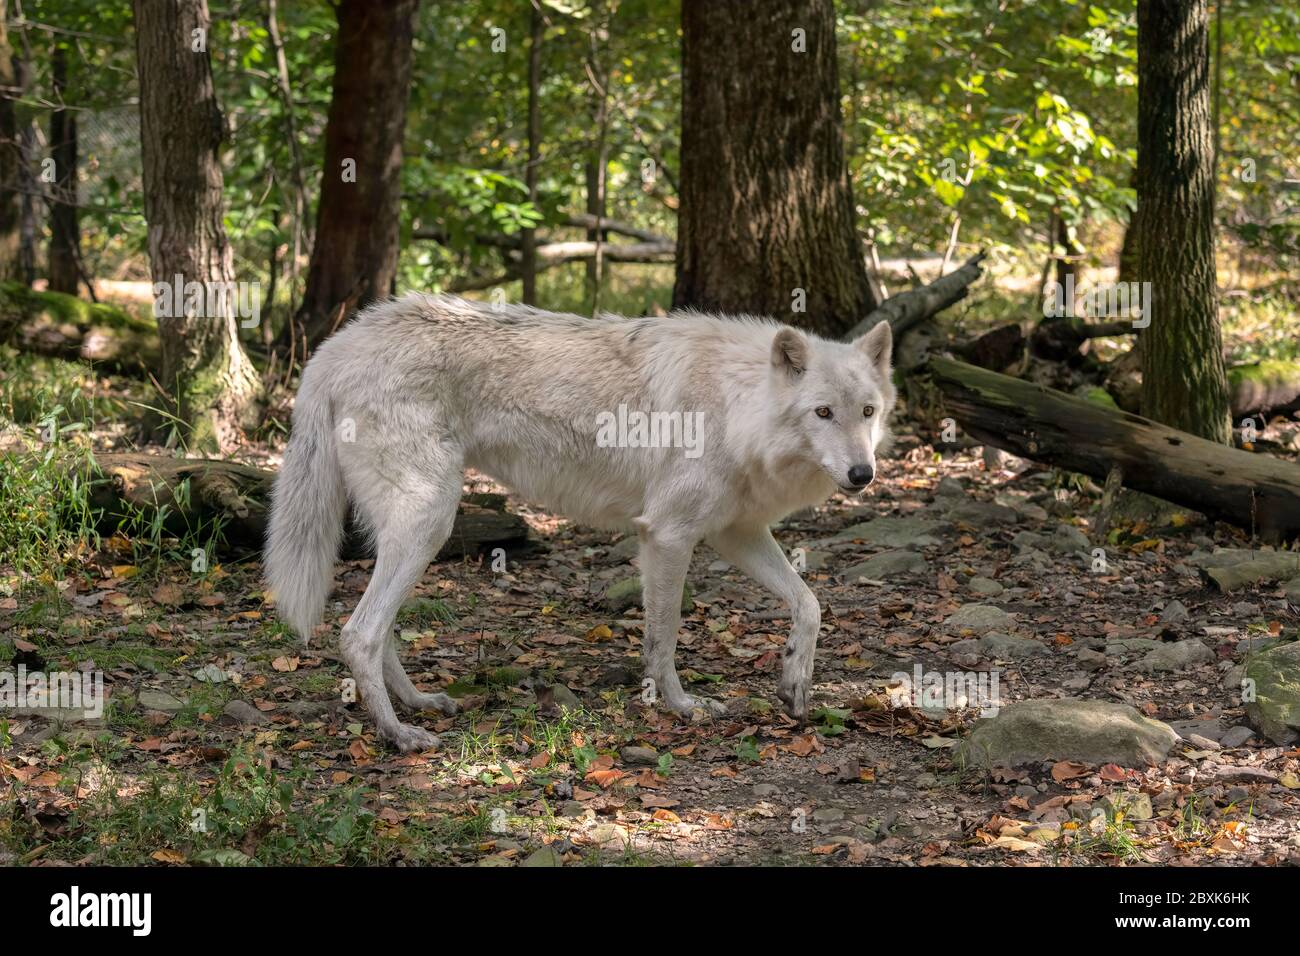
<point x="187" y="495"/>
<point x="64" y="326"/>
<point x="909" y="308"/>
<point x="1253" y="491"/>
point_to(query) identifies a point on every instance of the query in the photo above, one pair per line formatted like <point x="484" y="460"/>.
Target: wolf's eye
<point x="823" y="411"/>
<point x="868" y="411"/>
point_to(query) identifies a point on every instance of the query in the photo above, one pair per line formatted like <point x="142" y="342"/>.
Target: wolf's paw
<point x="409" y="739"/>
<point x="690" y="704"/>
<point x="794" y="696"/>
<point x="439" y="702"/>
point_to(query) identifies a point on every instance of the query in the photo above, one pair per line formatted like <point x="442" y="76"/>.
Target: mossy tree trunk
<point x="210" y="386"/>
<point x="1183" y="380"/>
<point x="766" y="205"/>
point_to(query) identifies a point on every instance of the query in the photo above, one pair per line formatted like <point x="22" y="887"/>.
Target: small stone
<point x="1175" y="656"/>
<point x="210" y="674"/>
<point x="985" y="587"/>
<point x="1090" y="660"/>
<point x="151" y="699"/>
<point x="1175" y="612"/>
<point x="546" y="856"/>
<point x="1005" y="647"/>
<point x="1235" y="737"/>
<point x="979" y="618"/>
<point x="639" y="755"/>
<point x="950" y="487"/>
<point x="1067" y="539"/>
<point x="828" y="815"/>
<point x="1203" y="743"/>
<point x="245" y="713"/>
<point x="887" y="564"/>
<point x="1090" y="731"/>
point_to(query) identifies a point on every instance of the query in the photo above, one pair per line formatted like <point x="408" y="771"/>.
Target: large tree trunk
<point x="354" y="259"/>
<point x="209" y="384"/>
<point x="65" y="231"/>
<point x="11" y="161"/>
<point x="1183" y="382"/>
<point x="1253" y="491"/>
<point x="766" y="206"/>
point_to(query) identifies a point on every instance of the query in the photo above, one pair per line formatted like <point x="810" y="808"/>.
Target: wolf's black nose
<point x="861" y="475"/>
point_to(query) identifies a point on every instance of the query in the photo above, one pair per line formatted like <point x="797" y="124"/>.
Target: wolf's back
<point x="308" y="507"/>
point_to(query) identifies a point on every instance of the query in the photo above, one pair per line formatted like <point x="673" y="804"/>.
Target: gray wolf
<point x="395" y="406"/>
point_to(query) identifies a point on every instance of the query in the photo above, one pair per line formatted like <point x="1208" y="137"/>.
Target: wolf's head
<point x="836" y="399"/>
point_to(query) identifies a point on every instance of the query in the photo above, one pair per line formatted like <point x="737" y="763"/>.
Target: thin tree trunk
<point x="209" y="386"/>
<point x="1183" y="379"/>
<point x="358" y="219"/>
<point x="11" y="162"/>
<point x="65" y="230"/>
<point x="598" y="74"/>
<point x="528" y="248"/>
<point x="291" y="130"/>
<point x="767" y="219"/>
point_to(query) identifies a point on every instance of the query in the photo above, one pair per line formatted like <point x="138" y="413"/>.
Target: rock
<point x="564" y="697"/>
<point x="1029" y="541"/>
<point x="974" y="512"/>
<point x="1175" y="612"/>
<point x="1175" y="656"/>
<point x="1292" y="591"/>
<point x="985" y="587"/>
<point x="950" y="487"/>
<point x="1089" y="659"/>
<point x="887" y="564"/>
<point x="1234" y="737"/>
<point x="1202" y="743"/>
<point x="814" y="560"/>
<point x="1275" y="709"/>
<point x="979" y="618"/>
<point x="828" y="815"/>
<point x="626" y="593"/>
<point x="639" y="755"/>
<point x="546" y="856"/>
<point x="1134" y="806"/>
<point x="1091" y="731"/>
<point x="245" y="713"/>
<point x="764" y="790"/>
<point x="896" y="532"/>
<point x="1233" y="568"/>
<point x="1068" y="539"/>
<point x="626" y="549"/>
<point x="1132" y="645"/>
<point x="210" y="674"/>
<point x="1005" y="647"/>
<point x="151" y="699"/>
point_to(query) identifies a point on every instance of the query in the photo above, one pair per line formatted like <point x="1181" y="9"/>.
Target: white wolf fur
<point x="426" y="386"/>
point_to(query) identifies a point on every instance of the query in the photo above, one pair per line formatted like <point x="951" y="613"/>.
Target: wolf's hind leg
<point x="413" y="516"/>
<point x="400" y="684"/>
<point x="664" y="560"/>
<point x="753" y="549"/>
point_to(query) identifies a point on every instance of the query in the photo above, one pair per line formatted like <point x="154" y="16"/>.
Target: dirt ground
<point x="226" y="741"/>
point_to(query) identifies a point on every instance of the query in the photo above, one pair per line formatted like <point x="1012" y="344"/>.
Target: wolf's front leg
<point x="753" y="549"/>
<point x="665" y="557"/>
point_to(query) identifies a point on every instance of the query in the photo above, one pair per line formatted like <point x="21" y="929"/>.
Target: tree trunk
<point x="358" y="218"/>
<point x="65" y="231"/>
<point x="528" y="247"/>
<point x="766" y="223"/>
<point x="209" y="385"/>
<point x="1253" y="491"/>
<point x="11" y="162"/>
<point x="1183" y="381"/>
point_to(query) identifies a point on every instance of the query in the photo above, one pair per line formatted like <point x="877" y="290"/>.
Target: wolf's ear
<point x="790" y="351"/>
<point x="878" y="346"/>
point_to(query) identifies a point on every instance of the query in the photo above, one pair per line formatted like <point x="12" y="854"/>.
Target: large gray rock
<point x="1090" y="731"/>
<point x="979" y="618"/>
<point x="1275" y="710"/>
<point x="985" y="587"/>
<point x="1175" y="656"/>
<point x="887" y="564"/>
<point x="151" y="699"/>
<point x="1067" y="539"/>
<point x="896" y="532"/>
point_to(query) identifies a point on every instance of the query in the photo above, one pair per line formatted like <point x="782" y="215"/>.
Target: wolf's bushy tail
<point x="308" y="507"/>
